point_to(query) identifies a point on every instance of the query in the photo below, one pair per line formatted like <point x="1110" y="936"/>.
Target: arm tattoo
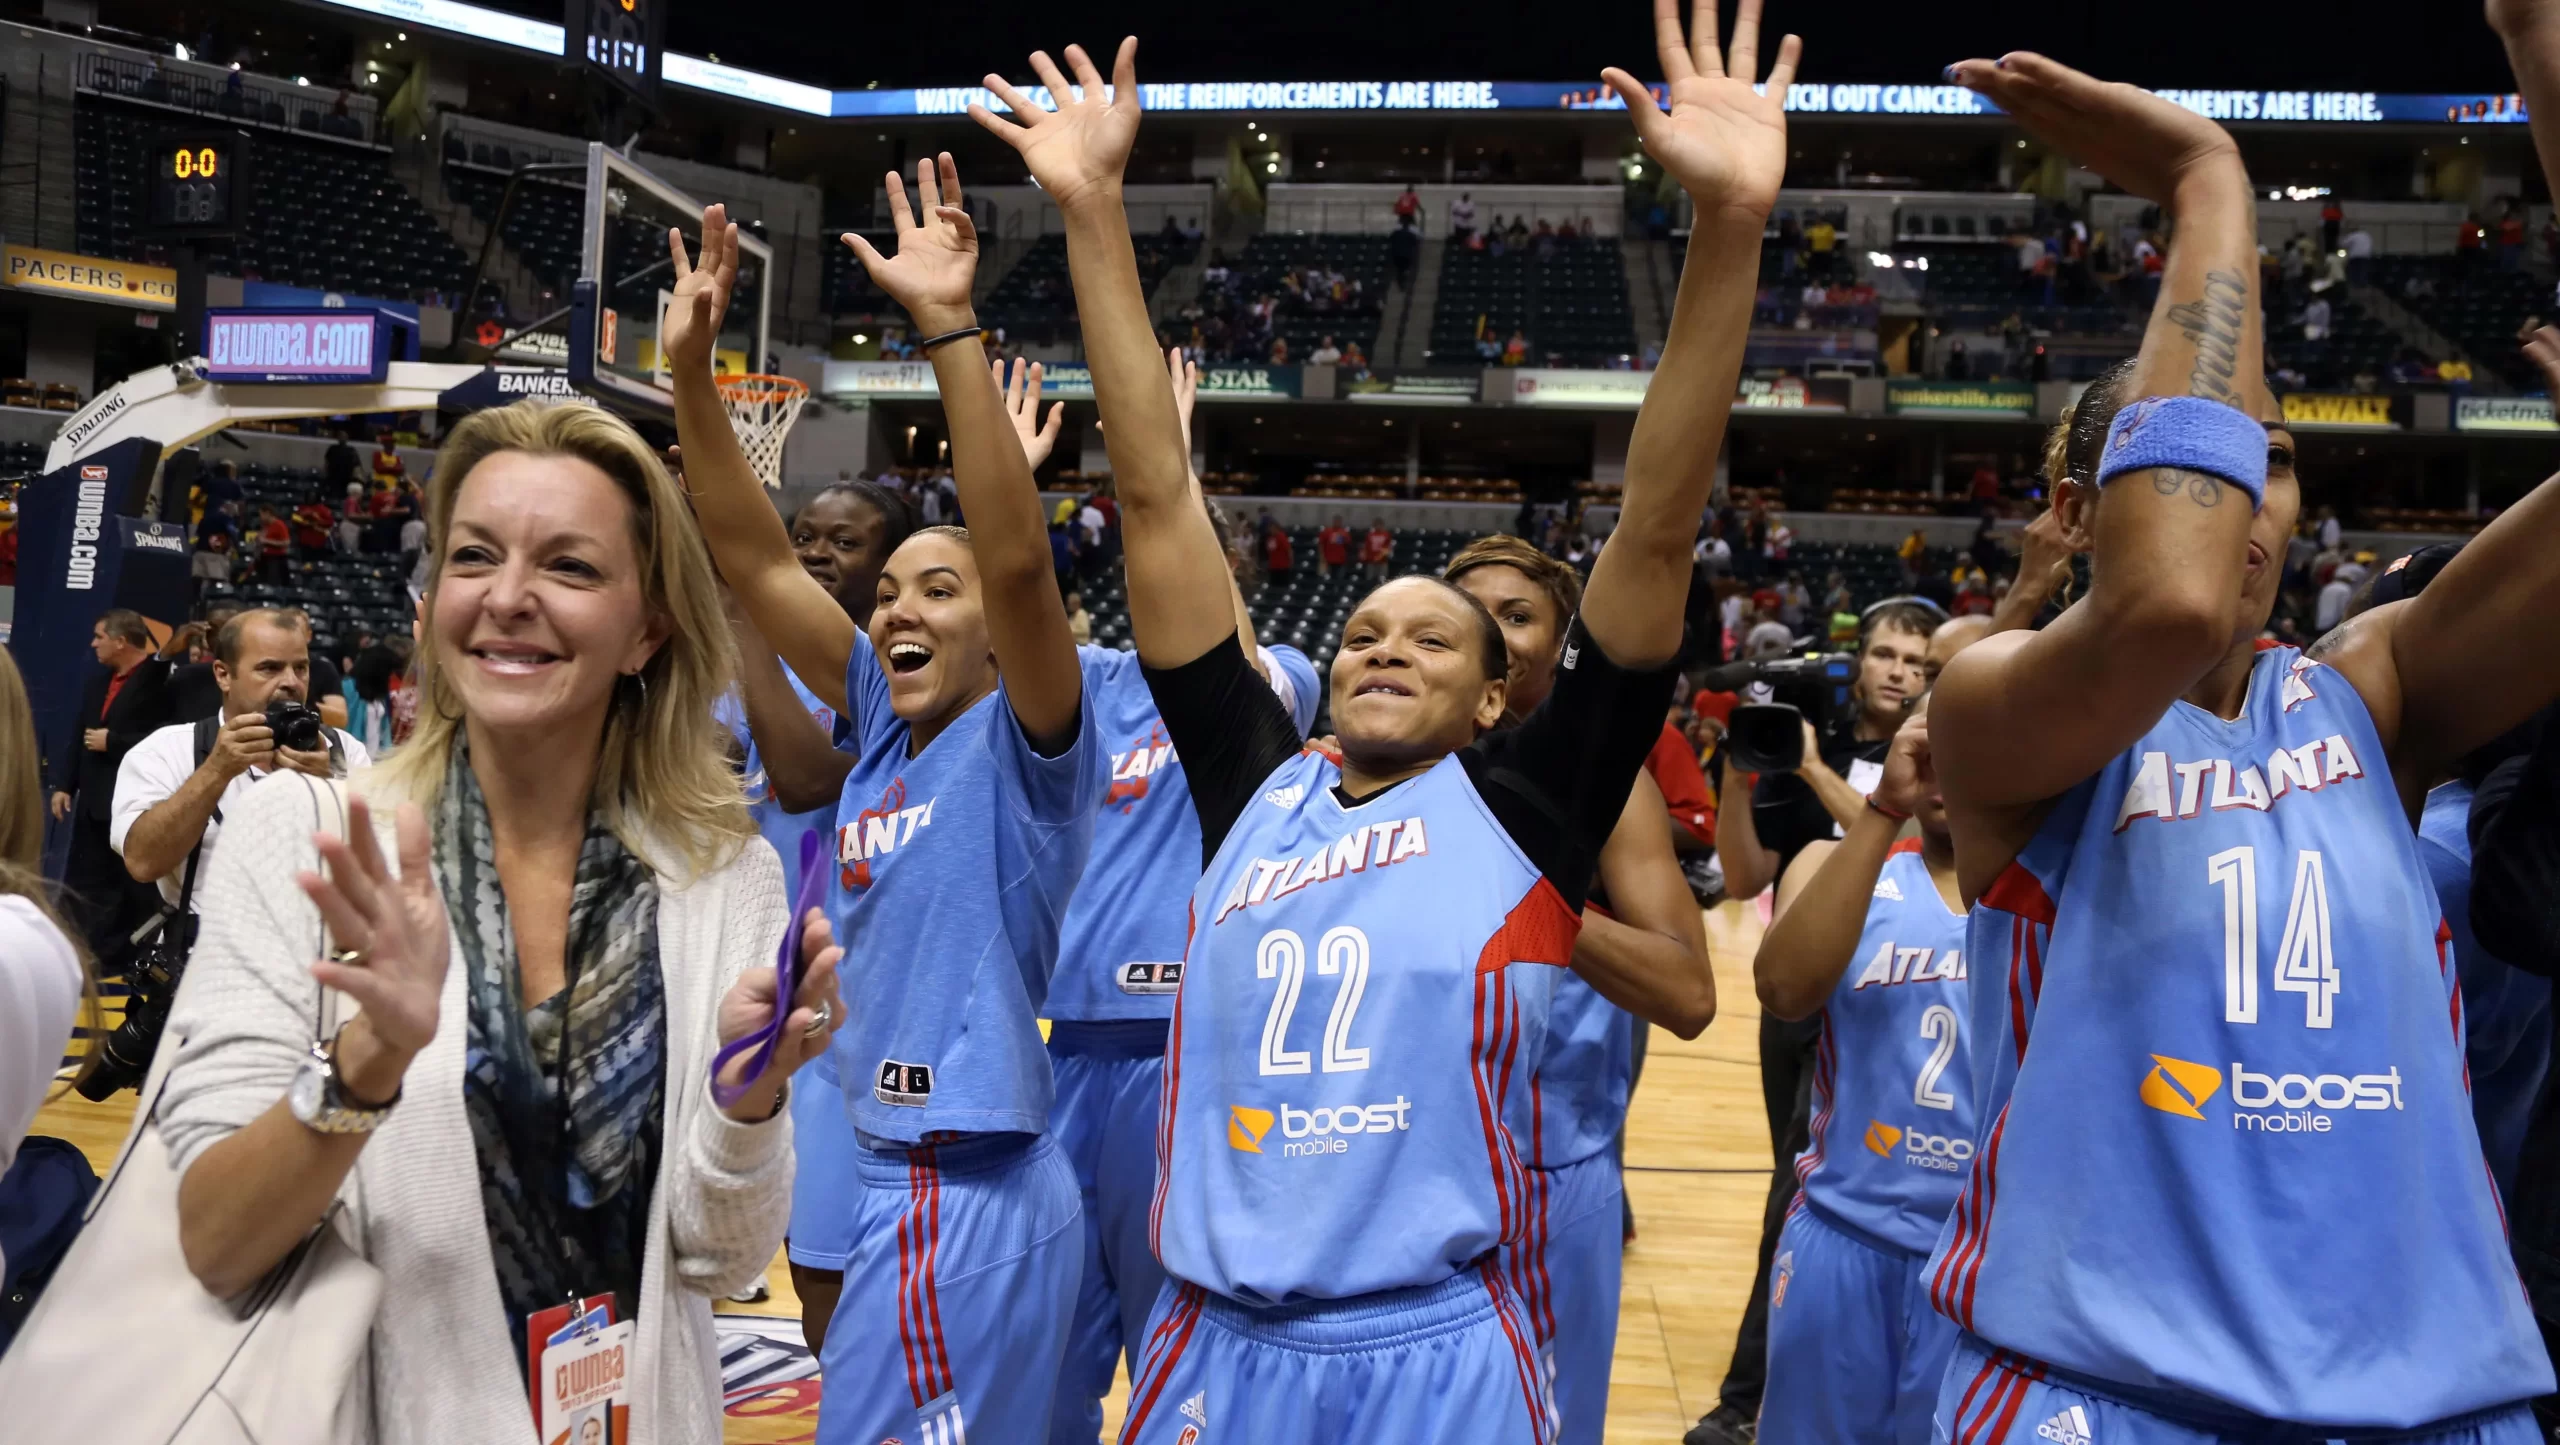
<point x="2212" y="323"/>
<point x="2203" y="490"/>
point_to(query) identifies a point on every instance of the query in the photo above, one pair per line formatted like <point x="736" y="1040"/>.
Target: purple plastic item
<point x="786" y="970"/>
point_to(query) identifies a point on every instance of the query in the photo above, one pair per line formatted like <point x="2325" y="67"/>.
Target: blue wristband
<point x="2190" y="434"/>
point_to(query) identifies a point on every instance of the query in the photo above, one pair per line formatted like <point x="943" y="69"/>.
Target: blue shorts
<point x="1855" y="1352"/>
<point x="1566" y="1273"/>
<point x="1995" y="1397"/>
<point x="826" y="1193"/>
<point x="1445" y="1364"/>
<point x="1110" y="1089"/>
<point x="956" y="1294"/>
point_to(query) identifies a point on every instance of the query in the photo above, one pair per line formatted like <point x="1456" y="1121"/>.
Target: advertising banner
<point x="329" y="346"/>
<point x="87" y="278"/>
<point x="2504" y="413"/>
<point x="1972" y="398"/>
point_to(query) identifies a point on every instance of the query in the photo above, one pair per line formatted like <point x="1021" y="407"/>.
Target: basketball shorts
<point x="957" y="1293"/>
<point x="1992" y="1396"/>
<point x="1855" y="1352"/>
<point x="826" y="1193"/>
<point x="1565" y="1272"/>
<point x="1445" y="1364"/>
<point x="1110" y="1088"/>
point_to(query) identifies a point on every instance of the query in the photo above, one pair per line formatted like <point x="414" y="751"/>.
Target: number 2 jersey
<point x="1349" y="1078"/>
<point x="2230" y="1168"/>
<point x="1892" y="1088"/>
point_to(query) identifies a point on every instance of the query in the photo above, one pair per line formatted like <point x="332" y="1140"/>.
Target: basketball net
<point x="762" y="409"/>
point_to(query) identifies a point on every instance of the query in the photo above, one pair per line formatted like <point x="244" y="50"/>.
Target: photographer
<point x="177" y="782"/>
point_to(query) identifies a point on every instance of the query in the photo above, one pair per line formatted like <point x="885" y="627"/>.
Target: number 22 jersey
<point x="2230" y="1167"/>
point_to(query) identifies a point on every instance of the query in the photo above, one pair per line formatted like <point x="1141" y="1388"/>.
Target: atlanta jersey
<point x="1364" y="1006"/>
<point x="953" y="869"/>
<point x="1892" y="1089"/>
<point x="1120" y="949"/>
<point x="1590" y="1065"/>
<point x="2230" y="1169"/>
<point x="779" y="828"/>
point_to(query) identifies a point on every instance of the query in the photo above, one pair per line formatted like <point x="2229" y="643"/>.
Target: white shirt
<point x="159" y="765"/>
<point x="1089" y="517"/>
<point x="2333" y="602"/>
<point x="1462" y="213"/>
<point x="2359" y="245"/>
<point x="413" y="535"/>
<point x="39" y="999"/>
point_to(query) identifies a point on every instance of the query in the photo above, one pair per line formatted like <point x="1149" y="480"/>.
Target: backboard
<point x="626" y="278"/>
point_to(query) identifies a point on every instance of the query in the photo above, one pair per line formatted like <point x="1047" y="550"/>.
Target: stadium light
<point x="181" y="51"/>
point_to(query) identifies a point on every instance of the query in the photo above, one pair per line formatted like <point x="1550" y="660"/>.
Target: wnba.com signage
<point x="338" y="345"/>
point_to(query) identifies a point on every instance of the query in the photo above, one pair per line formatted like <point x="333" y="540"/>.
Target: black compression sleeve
<point x="1228" y="728"/>
<point x="1558" y="782"/>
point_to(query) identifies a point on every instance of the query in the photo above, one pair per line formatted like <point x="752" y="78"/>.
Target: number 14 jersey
<point x="2230" y="1166"/>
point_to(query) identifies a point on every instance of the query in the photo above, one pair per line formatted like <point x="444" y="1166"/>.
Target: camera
<point x="296" y="725"/>
<point x="158" y="960"/>
<point x="1769" y="737"/>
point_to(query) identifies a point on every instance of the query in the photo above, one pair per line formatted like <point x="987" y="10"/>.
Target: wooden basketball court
<point x="1697" y="1171"/>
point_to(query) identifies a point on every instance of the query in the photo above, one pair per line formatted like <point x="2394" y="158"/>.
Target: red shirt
<point x="1717" y="705"/>
<point x="1377" y="544"/>
<point x="1277" y="552"/>
<point x="2511" y="231"/>
<point x="275" y="538"/>
<point x="9" y="557"/>
<point x="1335" y="544"/>
<point x="2470" y="236"/>
<point x="1684" y="785"/>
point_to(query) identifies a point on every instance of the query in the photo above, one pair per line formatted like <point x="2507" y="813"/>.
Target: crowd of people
<point x="2154" y="1010"/>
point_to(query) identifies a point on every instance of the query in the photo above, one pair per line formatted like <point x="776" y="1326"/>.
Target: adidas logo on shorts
<point x="1888" y="890"/>
<point x="1196" y="1409"/>
<point x="2067" y="1427"/>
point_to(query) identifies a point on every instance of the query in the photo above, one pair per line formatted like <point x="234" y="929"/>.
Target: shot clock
<point x="194" y="184"/>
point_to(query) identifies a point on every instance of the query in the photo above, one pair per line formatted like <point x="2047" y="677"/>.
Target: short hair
<point x="1916" y="617"/>
<point x="126" y="625"/>
<point x="897" y="519"/>
<point x="2071" y="448"/>
<point x="1561" y="583"/>
<point x="1497" y="654"/>
<point x="233" y="634"/>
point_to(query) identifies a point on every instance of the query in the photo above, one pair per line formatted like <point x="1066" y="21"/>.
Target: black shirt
<point x="1786" y="811"/>
<point x="1557" y="783"/>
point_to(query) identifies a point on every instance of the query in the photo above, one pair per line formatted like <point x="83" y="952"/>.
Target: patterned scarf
<point x="565" y="1174"/>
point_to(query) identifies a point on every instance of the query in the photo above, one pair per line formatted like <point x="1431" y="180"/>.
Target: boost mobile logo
<point x="2175" y="1086"/>
<point x="1881" y="1138"/>
<point x="1245" y="1128"/>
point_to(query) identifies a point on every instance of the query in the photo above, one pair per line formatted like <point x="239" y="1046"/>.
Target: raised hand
<point x="937" y="258"/>
<point x="2045" y="552"/>
<point x="692" y="327"/>
<point x="1725" y="142"/>
<point x="1909" y="778"/>
<point x="2543" y="350"/>
<point x="2132" y="137"/>
<point x="1081" y="148"/>
<point x="748" y="1006"/>
<point x="1022" y="403"/>
<point x="1184" y="373"/>
<point x="393" y="928"/>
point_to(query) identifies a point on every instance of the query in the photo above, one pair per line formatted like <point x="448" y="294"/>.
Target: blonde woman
<point x="579" y="913"/>
<point x="40" y="974"/>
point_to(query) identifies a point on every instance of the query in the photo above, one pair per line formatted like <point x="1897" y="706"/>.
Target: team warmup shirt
<point x="779" y="828"/>
<point x="1120" y="950"/>
<point x="1348" y="1082"/>
<point x="953" y="871"/>
<point x="1892" y="1089"/>
<point x="2230" y="1169"/>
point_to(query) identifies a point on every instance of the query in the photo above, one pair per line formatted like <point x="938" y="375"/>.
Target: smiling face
<point x="1532" y="632"/>
<point x="843" y="541"/>
<point x="538" y="610"/>
<point x="1410" y="683"/>
<point x="929" y="629"/>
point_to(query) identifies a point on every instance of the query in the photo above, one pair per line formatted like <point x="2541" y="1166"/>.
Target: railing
<point x="232" y="95"/>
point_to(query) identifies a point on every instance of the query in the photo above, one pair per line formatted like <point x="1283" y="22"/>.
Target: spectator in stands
<point x="1062" y="553"/>
<point x="1325" y="354"/>
<point x="1462" y="218"/>
<point x="1515" y="352"/>
<point x="2328" y="530"/>
<point x="222" y="488"/>
<point x="1333" y="546"/>
<point x="312" y="523"/>
<point x="1191" y="231"/>
<point x="1408" y="207"/>
<point x="1519" y="232"/>
<point x="1790" y="246"/>
<point x="1079" y="621"/>
<point x="2469" y="239"/>
<point x="1497" y="237"/>
<point x="1279" y="351"/>
<point x="2331" y="217"/>
<point x="2334" y="596"/>
<point x="2315" y="319"/>
<point x="1821" y="240"/>
<point x="212" y="563"/>
<point x="388" y="470"/>
<point x="2511" y="236"/>
<point x="1353" y="357"/>
<point x="1794" y="602"/>
<point x="1913" y="552"/>
<point x="1279" y="553"/>
<point x="1404" y="249"/>
<point x="338" y="464"/>
<point x="1375" y="548"/>
<point x="1835" y="593"/>
<point x="275" y="547"/>
<point x="2359" y="248"/>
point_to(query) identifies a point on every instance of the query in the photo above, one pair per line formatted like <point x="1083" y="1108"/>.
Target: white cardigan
<point x="443" y="1369"/>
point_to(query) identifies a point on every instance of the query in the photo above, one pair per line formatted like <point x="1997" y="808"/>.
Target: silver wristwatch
<point x="320" y="1101"/>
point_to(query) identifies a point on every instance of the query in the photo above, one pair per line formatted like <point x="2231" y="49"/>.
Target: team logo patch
<point x="1888" y="890"/>
<point x="1881" y="1138"/>
<point x="1196" y="1409"/>
<point x="907" y="1084"/>
<point x="1245" y="1127"/>
<point x="1285" y="798"/>
<point x="93" y="474"/>
<point x="1151" y="979"/>
<point x="1779" y="1276"/>
<point x="2175" y="1086"/>
<point x="2067" y="1427"/>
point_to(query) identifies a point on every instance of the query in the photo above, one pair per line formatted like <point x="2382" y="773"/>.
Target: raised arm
<point x="746" y="535"/>
<point x="1823" y="899"/>
<point x="802" y="765"/>
<point x="1179" y="588"/>
<point x="2044" y="564"/>
<point x="1749" y="865"/>
<point x="2024" y="715"/>
<point x="1026" y="618"/>
<point x="1184" y="373"/>
<point x="1726" y="143"/>
<point x="1648" y="953"/>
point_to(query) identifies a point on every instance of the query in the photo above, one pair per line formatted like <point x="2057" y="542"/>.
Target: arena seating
<point x="2358" y="341"/>
<point x="321" y="215"/>
<point x="2472" y="305"/>
<point x="1264" y="269"/>
<point x="1571" y="303"/>
<point x="1968" y="287"/>
<point x="843" y="283"/>
<point x="342" y="594"/>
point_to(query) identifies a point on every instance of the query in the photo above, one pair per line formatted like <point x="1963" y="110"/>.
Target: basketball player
<point x="1341" y="1151"/>
<point x="1642" y="954"/>
<point x="2229" y="1187"/>
<point x="1869" y="932"/>
<point x="1119" y="964"/>
<point x="963" y="828"/>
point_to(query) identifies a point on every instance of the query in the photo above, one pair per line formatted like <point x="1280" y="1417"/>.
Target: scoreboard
<point x="193" y="186"/>
<point x="619" y="40"/>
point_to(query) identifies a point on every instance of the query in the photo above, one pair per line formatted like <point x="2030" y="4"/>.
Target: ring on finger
<point x="818" y="1021"/>
<point x="349" y="957"/>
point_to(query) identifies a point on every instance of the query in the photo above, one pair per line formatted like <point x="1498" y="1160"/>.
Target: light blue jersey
<point x="1892" y="1087"/>
<point x="2506" y="1012"/>
<point x="2230" y="1171"/>
<point x="1364" y="1007"/>
<point x="779" y="828"/>
<point x="953" y="872"/>
<point x="1583" y="1084"/>
<point x="1120" y="950"/>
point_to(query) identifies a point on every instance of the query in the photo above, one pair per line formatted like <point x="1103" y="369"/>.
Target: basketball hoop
<point x="762" y="409"/>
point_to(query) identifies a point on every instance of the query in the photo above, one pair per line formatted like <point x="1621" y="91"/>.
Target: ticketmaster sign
<point x="2504" y="413"/>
